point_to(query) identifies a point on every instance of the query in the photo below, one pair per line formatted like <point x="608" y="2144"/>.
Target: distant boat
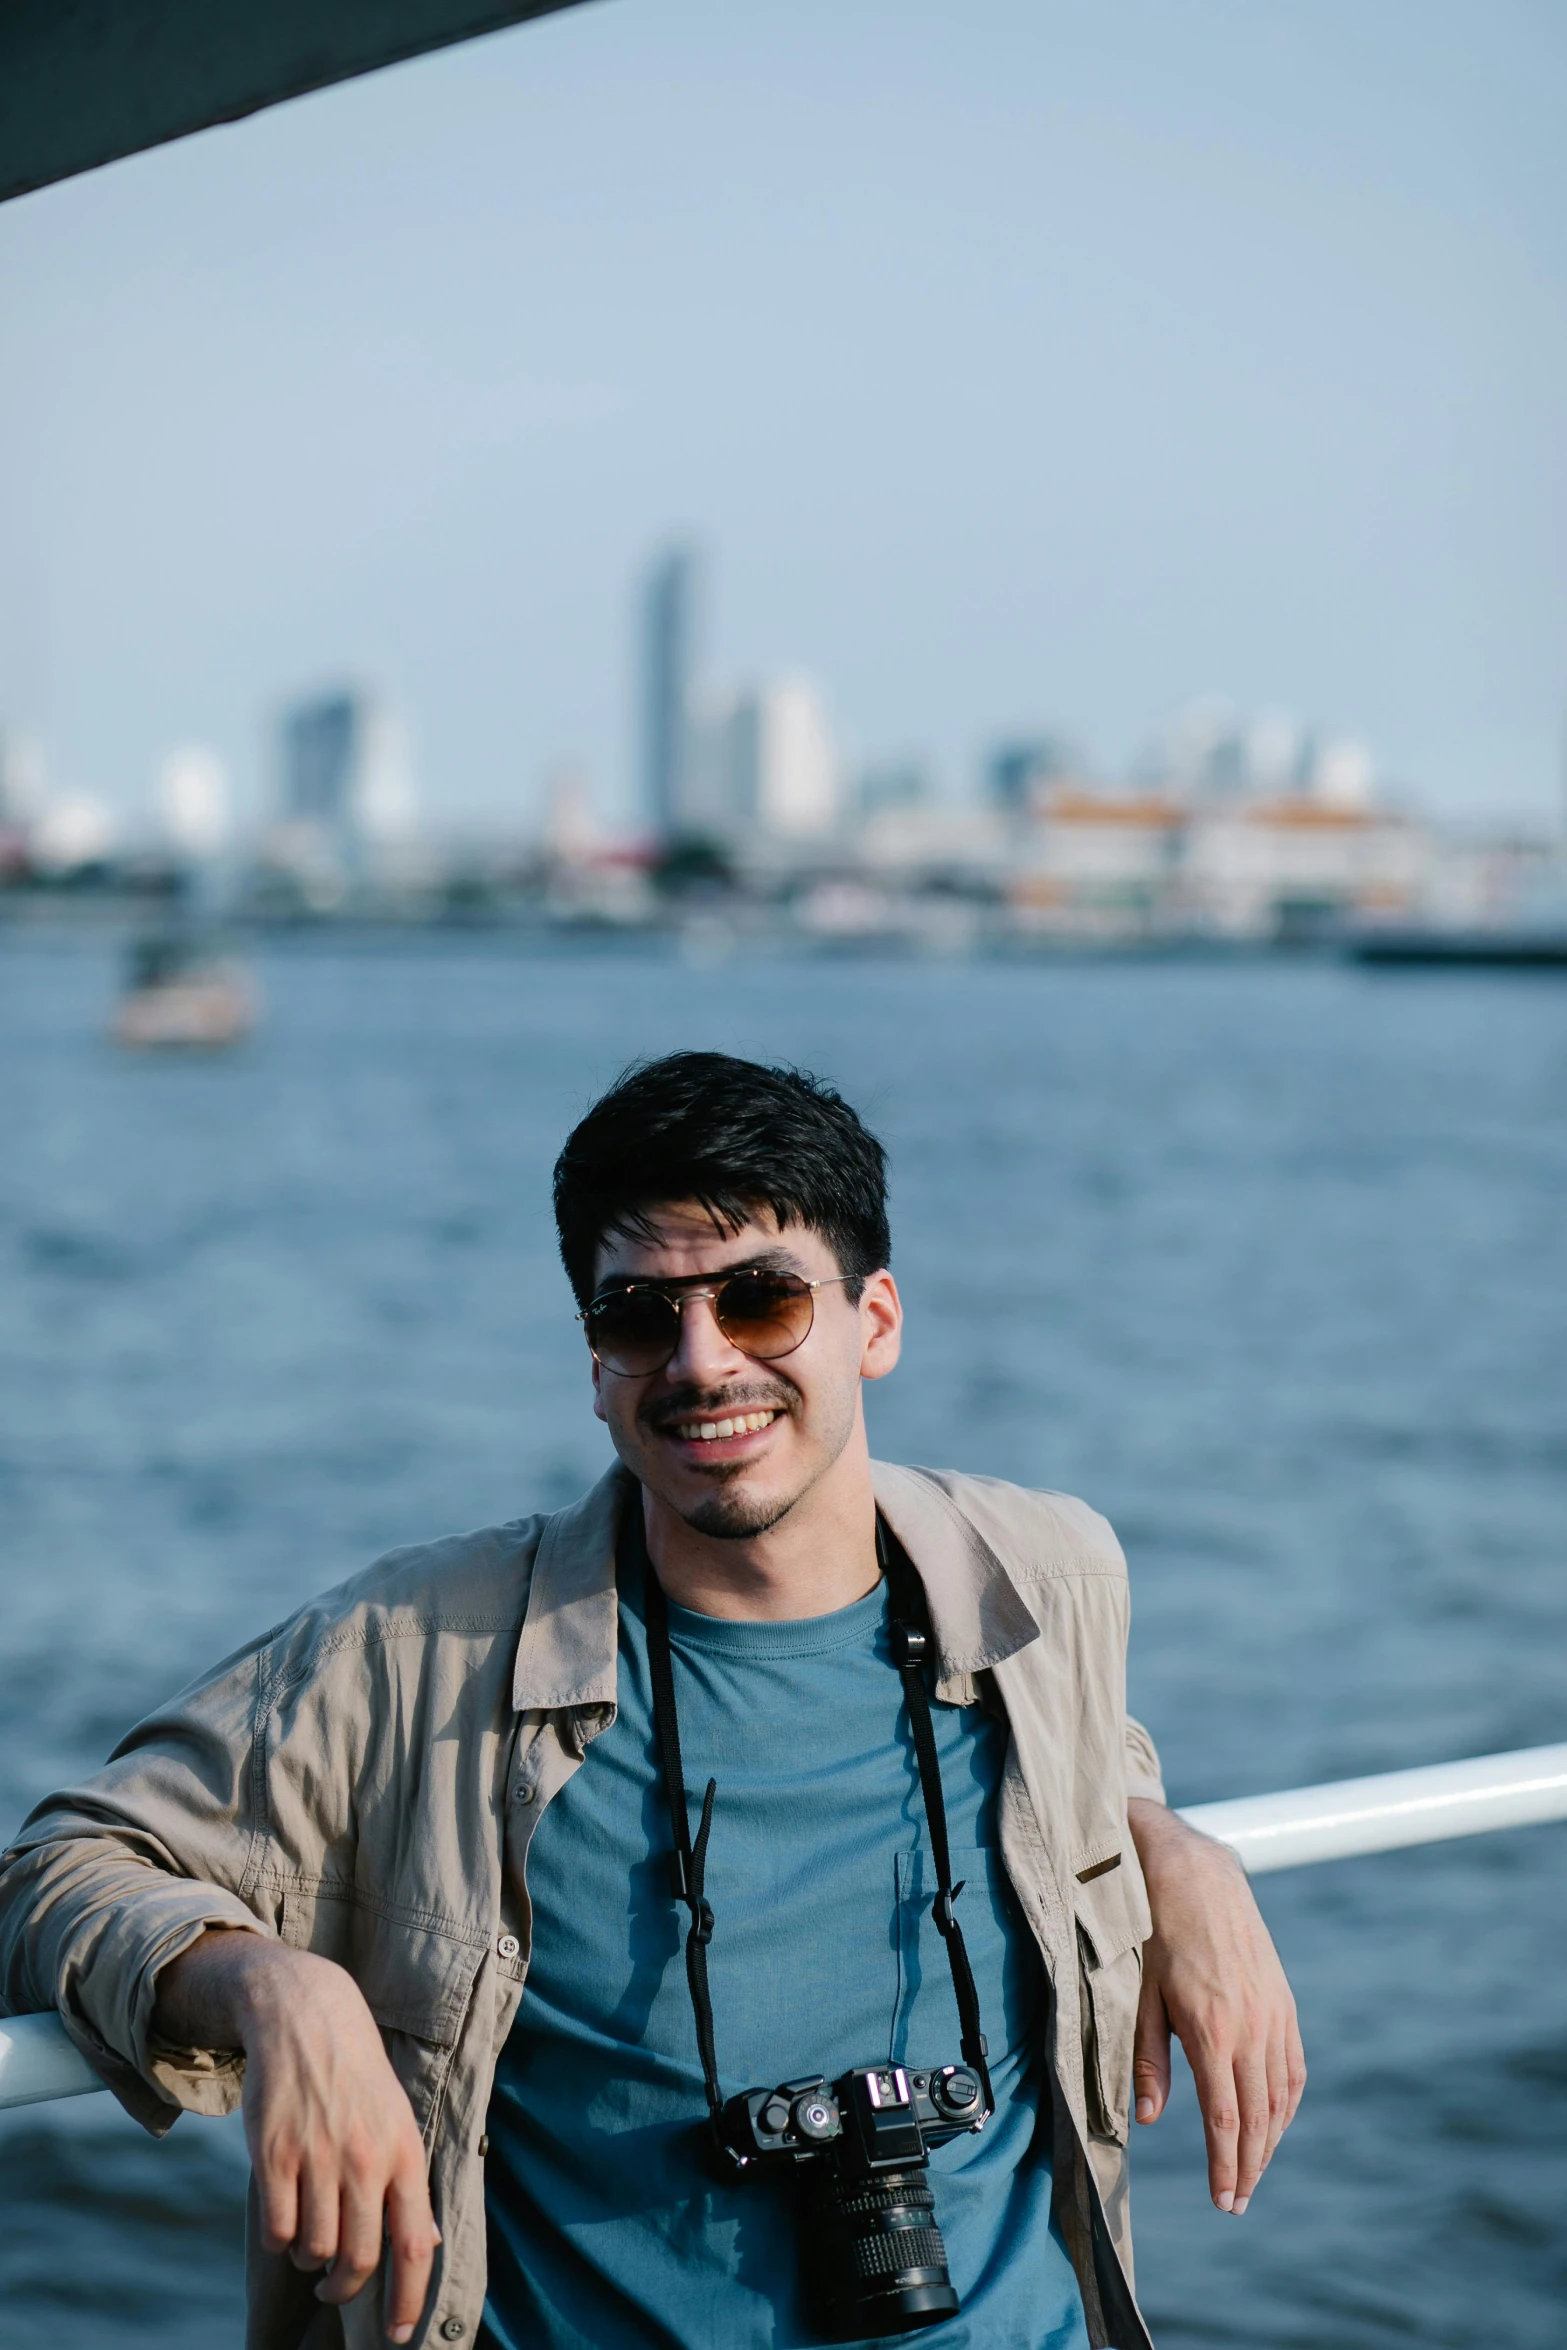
<point x="178" y="997"/>
<point x="1511" y="950"/>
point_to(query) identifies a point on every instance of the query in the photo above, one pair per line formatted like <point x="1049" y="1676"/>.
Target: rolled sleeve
<point x="1144" y="1779"/>
<point x="109" y="1882"/>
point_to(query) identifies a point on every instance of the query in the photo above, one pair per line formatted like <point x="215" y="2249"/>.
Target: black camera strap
<point x="912" y="1649"/>
<point x="690" y="1859"/>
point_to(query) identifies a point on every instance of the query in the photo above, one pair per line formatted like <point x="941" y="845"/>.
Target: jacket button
<point x="526" y="1793"/>
<point x="507" y="1947"/>
<point x="452" y="2329"/>
<point x="484" y="2145"/>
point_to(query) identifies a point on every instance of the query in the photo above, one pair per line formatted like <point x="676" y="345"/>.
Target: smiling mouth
<point x="715" y="1431"/>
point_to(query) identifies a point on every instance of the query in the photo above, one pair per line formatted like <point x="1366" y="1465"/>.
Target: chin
<point x="734" y="1515"/>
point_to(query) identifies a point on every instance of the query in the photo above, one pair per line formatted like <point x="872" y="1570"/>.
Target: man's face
<point x="807" y="1404"/>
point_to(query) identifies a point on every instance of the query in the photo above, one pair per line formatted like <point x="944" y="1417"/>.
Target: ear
<point x="881" y="1326"/>
<point x="599" y="1412"/>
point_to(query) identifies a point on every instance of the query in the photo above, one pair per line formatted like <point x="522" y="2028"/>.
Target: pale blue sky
<point x="1018" y="363"/>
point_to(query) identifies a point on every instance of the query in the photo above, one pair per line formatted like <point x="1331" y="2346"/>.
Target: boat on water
<point x="1503" y="950"/>
<point x="179" y="997"/>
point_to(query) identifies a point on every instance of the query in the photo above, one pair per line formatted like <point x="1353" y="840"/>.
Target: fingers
<point x="1213" y="2071"/>
<point x="1252" y="2106"/>
<point x="1151" y="2054"/>
<point x="376" y="2217"/>
<point x="315" y="2238"/>
<point x="1276" y="2075"/>
<point x="1295" y="2067"/>
<point x="358" y="2252"/>
<point x="412" y="2237"/>
<point x="277" y="2191"/>
<point x="1248" y="2096"/>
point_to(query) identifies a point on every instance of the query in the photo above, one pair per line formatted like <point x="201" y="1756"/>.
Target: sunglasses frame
<point x="678" y="1299"/>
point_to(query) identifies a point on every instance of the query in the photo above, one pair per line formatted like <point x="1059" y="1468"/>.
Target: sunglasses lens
<point x="633" y="1334"/>
<point x="764" y="1314"/>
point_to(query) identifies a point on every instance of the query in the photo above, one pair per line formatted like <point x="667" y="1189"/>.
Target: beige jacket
<point x="364" y="1781"/>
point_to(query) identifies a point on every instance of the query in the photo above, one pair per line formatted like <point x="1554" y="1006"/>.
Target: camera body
<point x="872" y="2248"/>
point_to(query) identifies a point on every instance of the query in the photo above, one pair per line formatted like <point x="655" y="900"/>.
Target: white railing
<point x="1349" y="1816"/>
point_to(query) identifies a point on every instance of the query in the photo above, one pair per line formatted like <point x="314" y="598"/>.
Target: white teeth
<point x="740" y="1424"/>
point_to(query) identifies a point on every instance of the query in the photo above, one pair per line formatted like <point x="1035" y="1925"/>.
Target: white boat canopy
<point x="83" y="82"/>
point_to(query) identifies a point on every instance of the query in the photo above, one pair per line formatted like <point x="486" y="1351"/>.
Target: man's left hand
<point x="1212" y="1976"/>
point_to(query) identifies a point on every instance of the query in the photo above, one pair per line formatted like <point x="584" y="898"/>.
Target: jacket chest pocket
<point x="417" y="1981"/>
<point x="1112" y="1924"/>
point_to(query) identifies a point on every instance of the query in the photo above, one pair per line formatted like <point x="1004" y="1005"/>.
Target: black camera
<point x="873" y="2250"/>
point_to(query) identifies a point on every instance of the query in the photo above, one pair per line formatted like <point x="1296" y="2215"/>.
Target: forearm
<point x="209" y="1996"/>
<point x="1166" y="1843"/>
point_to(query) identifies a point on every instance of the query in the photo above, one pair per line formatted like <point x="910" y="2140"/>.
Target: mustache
<point x="712" y="1403"/>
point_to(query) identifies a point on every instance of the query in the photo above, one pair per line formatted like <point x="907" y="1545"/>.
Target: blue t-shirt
<point x="608" y="2228"/>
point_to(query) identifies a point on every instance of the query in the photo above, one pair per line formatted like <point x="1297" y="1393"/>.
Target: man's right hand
<point x="339" y="2165"/>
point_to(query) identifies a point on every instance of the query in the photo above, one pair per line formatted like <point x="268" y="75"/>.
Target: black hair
<point x="734" y="1136"/>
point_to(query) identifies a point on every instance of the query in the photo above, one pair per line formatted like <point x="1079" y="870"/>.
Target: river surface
<point x="1268" y="1260"/>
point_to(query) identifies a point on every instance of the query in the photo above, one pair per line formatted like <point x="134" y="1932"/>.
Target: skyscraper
<point x="1020" y="771"/>
<point x="668" y="632"/>
<point x="347" y="775"/>
<point x="320" y="758"/>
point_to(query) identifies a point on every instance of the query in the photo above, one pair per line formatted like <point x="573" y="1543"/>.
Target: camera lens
<point x="883" y="2265"/>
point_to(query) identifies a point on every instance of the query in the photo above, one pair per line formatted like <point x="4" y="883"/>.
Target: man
<point x="400" y="1872"/>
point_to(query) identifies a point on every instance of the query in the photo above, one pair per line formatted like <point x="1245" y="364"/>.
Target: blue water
<point x="1269" y="1260"/>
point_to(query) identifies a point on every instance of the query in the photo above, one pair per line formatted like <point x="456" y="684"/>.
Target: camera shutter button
<point x="775" y="2115"/>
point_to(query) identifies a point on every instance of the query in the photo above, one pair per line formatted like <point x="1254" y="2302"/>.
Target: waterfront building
<point x="192" y="793"/>
<point x="1020" y="773"/>
<point x="668" y="633"/>
<point x="1097" y="861"/>
<point x="779" y="762"/>
<point x="22" y="781"/>
<point x="1265" y="868"/>
<point x="347" y="770"/>
<point x="347" y="813"/>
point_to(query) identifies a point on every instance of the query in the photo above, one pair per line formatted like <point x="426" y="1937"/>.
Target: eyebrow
<point x="765" y="1260"/>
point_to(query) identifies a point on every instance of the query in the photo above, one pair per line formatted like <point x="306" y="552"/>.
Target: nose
<point x="704" y="1357"/>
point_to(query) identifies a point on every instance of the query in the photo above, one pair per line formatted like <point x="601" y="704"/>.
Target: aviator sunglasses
<point x="636" y="1330"/>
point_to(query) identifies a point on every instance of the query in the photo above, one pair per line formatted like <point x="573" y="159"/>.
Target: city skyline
<point x="710" y="756"/>
<point x="1086" y="367"/>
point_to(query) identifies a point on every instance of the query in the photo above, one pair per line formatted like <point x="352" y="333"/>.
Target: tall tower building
<point x="320" y="757"/>
<point x="346" y="773"/>
<point x="668" y="637"/>
<point x="1021" y="772"/>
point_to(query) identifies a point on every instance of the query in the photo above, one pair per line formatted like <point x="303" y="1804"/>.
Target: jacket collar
<point x="568" y="1653"/>
<point x="977" y="1613"/>
<point x="569" y="1649"/>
